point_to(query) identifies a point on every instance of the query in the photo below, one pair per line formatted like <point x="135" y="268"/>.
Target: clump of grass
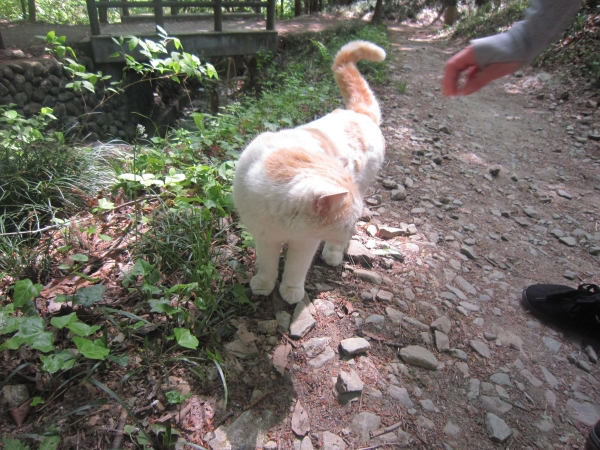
<point x="489" y="19"/>
<point x="41" y="175"/>
<point x="401" y="87"/>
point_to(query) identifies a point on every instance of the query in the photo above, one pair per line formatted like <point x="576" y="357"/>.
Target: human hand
<point x="463" y="63"/>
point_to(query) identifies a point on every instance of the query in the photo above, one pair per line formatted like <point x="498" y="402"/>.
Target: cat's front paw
<point x="291" y="294"/>
<point x="260" y="286"/>
<point x="332" y="256"/>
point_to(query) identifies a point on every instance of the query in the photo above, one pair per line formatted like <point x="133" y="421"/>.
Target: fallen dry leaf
<point x="19" y="413"/>
<point x="300" y="422"/>
<point x="280" y="356"/>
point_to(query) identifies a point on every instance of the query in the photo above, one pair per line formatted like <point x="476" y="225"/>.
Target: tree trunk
<point x="314" y="6"/>
<point x="297" y="8"/>
<point x="451" y="10"/>
<point x="377" y="18"/>
<point x="31" y="4"/>
<point x="2" y="47"/>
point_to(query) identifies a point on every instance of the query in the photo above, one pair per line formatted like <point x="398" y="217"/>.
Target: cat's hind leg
<point x="333" y="254"/>
<point x="300" y="254"/>
<point x="267" y="261"/>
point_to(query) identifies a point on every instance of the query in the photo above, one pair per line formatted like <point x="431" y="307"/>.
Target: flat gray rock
<point x="585" y="412"/>
<point x="394" y="315"/>
<point x="332" y="442"/>
<point x="480" y="348"/>
<point x="550" y="379"/>
<point x="354" y="346"/>
<point x="368" y="276"/>
<point x="363" y="423"/>
<point x="348" y="386"/>
<point x="283" y="320"/>
<point x="358" y="253"/>
<point x="531" y="378"/>
<point x="419" y="356"/>
<point x="501" y="378"/>
<point x="442" y="324"/>
<point x="241" y="350"/>
<point x="458" y="353"/>
<point x="522" y="221"/>
<point x="496" y="428"/>
<point x="390" y="232"/>
<point x="400" y="394"/>
<point x="248" y="431"/>
<point x="569" y="241"/>
<point x="495" y="405"/>
<point x="465" y="286"/>
<point x="460" y="294"/>
<point x="325" y="307"/>
<point x="468" y="251"/>
<point x="531" y="212"/>
<point x="320" y="360"/>
<point x="302" y="320"/>
<point x="442" y="343"/>
<point x="315" y="346"/>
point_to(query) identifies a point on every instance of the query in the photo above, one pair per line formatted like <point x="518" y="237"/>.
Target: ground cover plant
<point x="123" y="293"/>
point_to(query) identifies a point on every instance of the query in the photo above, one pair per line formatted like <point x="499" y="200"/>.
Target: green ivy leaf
<point x="50" y="443"/>
<point x="82" y="329"/>
<point x="185" y="338"/>
<point x="176" y="397"/>
<point x="88" y="296"/>
<point x="120" y="360"/>
<point x="25" y="290"/>
<point x="163" y="306"/>
<point x="91" y="349"/>
<point x="105" y="204"/>
<point x="79" y="257"/>
<point x="8" y="324"/>
<point x="13" y="444"/>
<point x="60" y="361"/>
<point x="31" y="332"/>
<point x="36" y="401"/>
<point x="61" y="322"/>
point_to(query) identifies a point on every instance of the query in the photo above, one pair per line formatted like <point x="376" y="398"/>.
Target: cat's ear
<point x="326" y="203"/>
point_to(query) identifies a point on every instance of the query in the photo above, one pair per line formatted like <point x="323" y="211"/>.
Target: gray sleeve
<point x="544" y="21"/>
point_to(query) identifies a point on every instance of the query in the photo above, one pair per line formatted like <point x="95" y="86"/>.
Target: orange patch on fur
<point x="328" y="147"/>
<point x="285" y="164"/>
<point x="357" y="165"/>
<point x="356" y="136"/>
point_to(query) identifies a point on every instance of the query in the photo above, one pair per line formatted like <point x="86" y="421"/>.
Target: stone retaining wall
<point x="33" y="84"/>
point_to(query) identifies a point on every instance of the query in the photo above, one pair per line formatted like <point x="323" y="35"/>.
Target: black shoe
<point x="564" y="305"/>
<point x="593" y="440"/>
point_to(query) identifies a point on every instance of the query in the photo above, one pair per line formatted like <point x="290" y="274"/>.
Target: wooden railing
<point x="95" y="7"/>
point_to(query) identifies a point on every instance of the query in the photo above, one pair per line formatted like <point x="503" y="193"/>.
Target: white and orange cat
<point x="305" y="185"/>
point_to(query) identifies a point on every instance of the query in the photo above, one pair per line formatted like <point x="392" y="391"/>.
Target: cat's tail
<point x="354" y="88"/>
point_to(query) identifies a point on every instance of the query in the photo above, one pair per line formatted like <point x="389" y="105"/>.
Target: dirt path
<point x="480" y="239"/>
<point x="474" y="241"/>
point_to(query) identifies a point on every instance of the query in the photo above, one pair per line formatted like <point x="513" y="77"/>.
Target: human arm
<point x="492" y="57"/>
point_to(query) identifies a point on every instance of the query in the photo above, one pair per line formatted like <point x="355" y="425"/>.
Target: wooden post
<point x="271" y="5"/>
<point x="158" y="13"/>
<point x="93" y="15"/>
<point x="125" y="10"/>
<point x="174" y="9"/>
<point x="103" y="14"/>
<point x="218" y="15"/>
<point x="31" y="4"/>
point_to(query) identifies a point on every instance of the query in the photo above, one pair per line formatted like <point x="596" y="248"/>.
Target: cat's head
<point x="335" y="210"/>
